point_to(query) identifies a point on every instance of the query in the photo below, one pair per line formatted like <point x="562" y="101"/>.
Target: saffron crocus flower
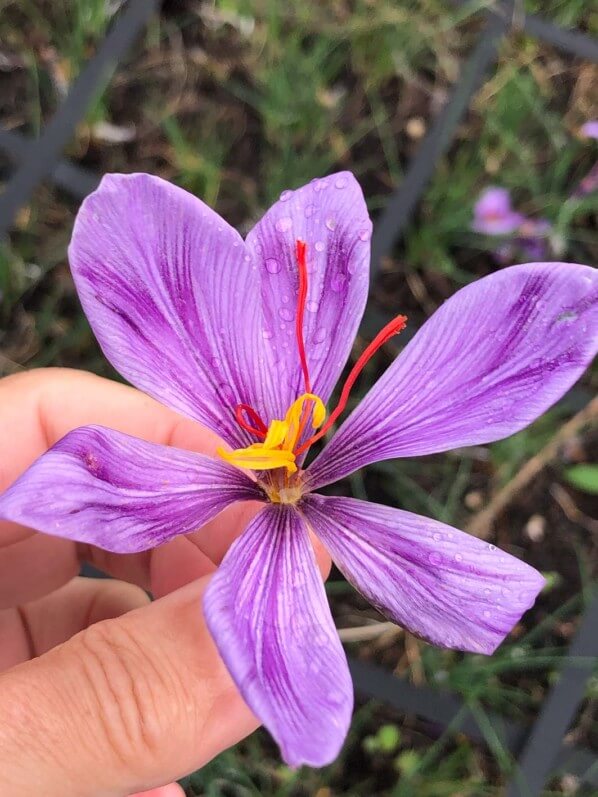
<point x="249" y="338"/>
<point x="493" y="214"/>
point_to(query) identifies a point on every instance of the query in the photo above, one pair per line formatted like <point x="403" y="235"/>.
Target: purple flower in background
<point x="589" y="129"/>
<point x="493" y="214"/>
<point x="249" y="338"/>
<point x="526" y="237"/>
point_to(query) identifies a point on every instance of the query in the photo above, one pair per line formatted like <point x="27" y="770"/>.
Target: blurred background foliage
<point x="237" y="100"/>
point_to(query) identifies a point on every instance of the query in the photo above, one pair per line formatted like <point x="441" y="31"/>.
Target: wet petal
<point x="331" y="217"/>
<point x="267" y="610"/>
<point x="121" y="494"/>
<point x="445" y="586"/>
<point x="172" y="296"/>
<point x="492" y="359"/>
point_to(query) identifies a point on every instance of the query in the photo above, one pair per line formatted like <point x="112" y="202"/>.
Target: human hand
<point x="103" y="694"/>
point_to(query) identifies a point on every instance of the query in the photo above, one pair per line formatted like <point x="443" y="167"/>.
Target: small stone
<point x="415" y="127"/>
<point x="535" y="528"/>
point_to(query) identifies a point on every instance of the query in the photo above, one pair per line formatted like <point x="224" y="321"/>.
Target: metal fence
<point x="540" y="750"/>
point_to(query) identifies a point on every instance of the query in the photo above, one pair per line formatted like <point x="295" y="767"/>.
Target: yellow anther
<point x="296" y="421"/>
<point x="257" y="457"/>
<point x="276" y="434"/>
<point x="277" y="449"/>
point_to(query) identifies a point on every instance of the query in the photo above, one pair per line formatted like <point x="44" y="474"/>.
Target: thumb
<point x="126" y="705"/>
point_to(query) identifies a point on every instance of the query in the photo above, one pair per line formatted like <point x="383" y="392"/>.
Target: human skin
<point x="102" y="693"/>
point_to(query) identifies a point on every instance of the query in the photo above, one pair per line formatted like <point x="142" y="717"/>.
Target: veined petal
<point x="122" y="494"/>
<point x="267" y="610"/>
<point x="331" y="217"/>
<point x="445" y="586"/>
<point x="172" y="297"/>
<point x="492" y="359"/>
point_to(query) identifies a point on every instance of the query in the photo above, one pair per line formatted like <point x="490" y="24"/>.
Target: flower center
<point x="282" y="441"/>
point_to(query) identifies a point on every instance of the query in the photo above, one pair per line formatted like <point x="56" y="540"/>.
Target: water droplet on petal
<point x="331" y="223"/>
<point x="286" y="314"/>
<point x="365" y="235"/>
<point x="309" y="211"/>
<point x="272" y="265"/>
<point x="458" y="557"/>
<point x="285" y="195"/>
<point x="340" y="182"/>
<point x="266" y="334"/>
<point x="225" y="393"/>
<point x="486" y="613"/>
<point x="312" y="306"/>
<point x="319" y="335"/>
<point x="284" y="224"/>
<point x="435" y="558"/>
<point x="437" y="536"/>
<point x="320" y="246"/>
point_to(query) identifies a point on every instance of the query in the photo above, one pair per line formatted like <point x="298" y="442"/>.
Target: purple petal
<point x="122" y="494"/>
<point x="443" y="585"/>
<point x="172" y="297"/>
<point x="492" y="359"/>
<point x="589" y="129"/>
<point x="493" y="214"/>
<point x="267" y="610"/>
<point x="330" y="215"/>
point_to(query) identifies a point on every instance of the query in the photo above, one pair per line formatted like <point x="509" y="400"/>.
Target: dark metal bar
<point x="558" y="711"/>
<point x="570" y="41"/>
<point x="436" y="706"/>
<point x="402" y="203"/>
<point x="443" y="708"/>
<point x="65" y="174"/>
<point x="43" y="153"/>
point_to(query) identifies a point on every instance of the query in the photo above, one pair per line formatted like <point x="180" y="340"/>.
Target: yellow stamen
<point x="259" y="458"/>
<point x="277" y="449"/>
<point x="295" y="418"/>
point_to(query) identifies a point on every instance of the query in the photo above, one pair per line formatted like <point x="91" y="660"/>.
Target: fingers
<point x="142" y="699"/>
<point x="33" y="629"/>
<point x="39" y="407"/>
<point x="166" y="791"/>
<point x="33" y="567"/>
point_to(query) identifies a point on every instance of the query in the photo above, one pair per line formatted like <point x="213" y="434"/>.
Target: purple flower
<point x="492" y="213"/>
<point x="589" y="129"/>
<point x="249" y="338"/>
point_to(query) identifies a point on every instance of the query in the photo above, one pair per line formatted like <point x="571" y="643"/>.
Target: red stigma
<point x="259" y="429"/>
<point x="301" y="252"/>
<point x="392" y="328"/>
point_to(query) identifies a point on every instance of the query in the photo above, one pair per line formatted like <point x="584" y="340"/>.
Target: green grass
<point x="239" y="100"/>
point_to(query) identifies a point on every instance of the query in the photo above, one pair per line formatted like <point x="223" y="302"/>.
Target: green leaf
<point x="583" y="477"/>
